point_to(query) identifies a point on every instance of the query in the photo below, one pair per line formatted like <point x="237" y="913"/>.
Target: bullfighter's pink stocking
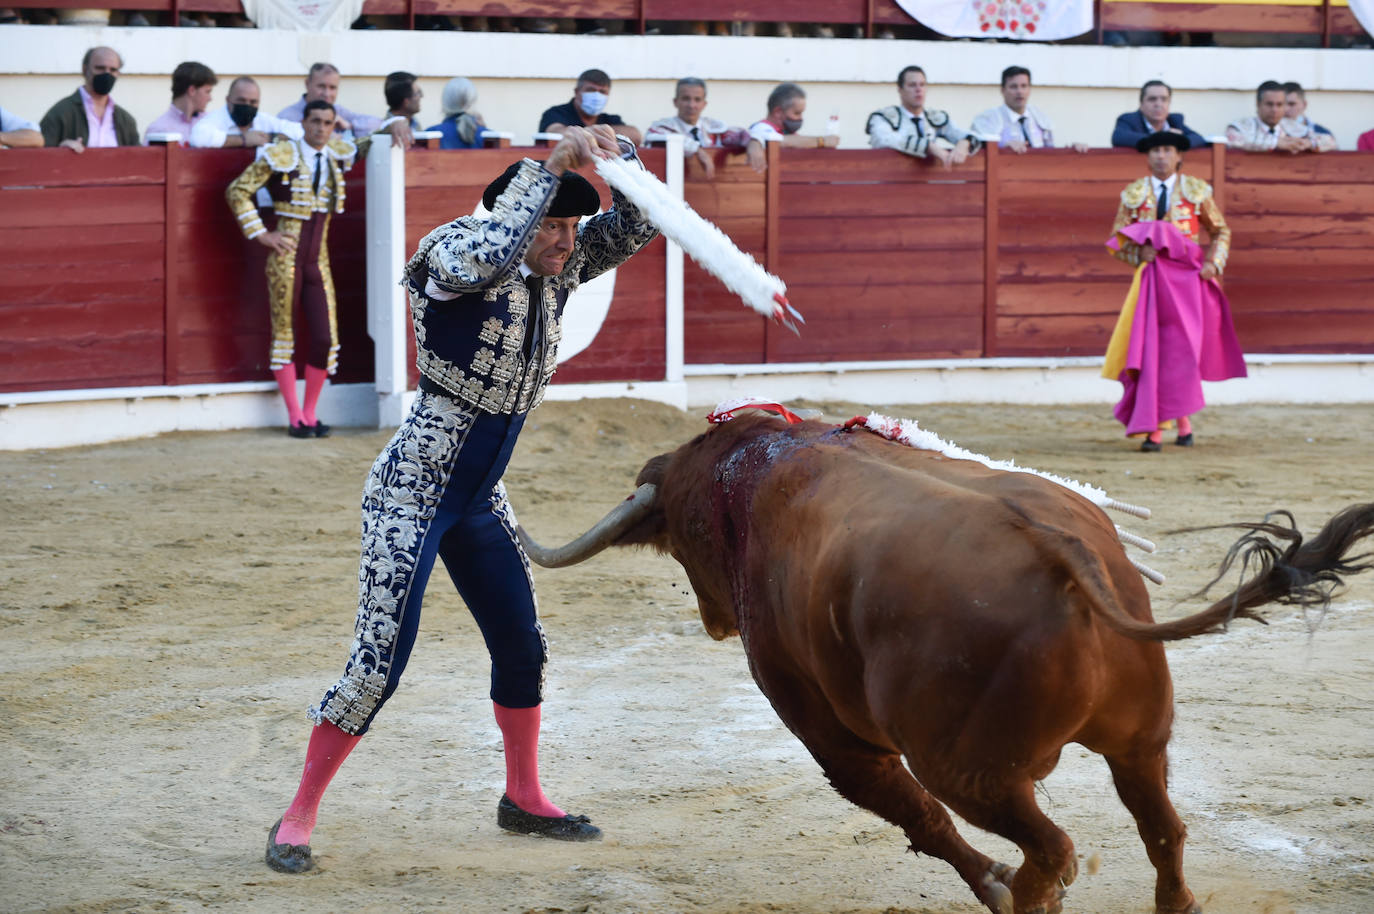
<point x="520" y="732"/>
<point x="286" y="383"/>
<point x="1184" y="426"/>
<point x="328" y="748"/>
<point x="1156" y="436"/>
<point x="314" y="383"/>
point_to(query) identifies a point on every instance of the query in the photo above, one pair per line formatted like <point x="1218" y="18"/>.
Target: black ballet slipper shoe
<point x="319" y="430"/>
<point x="287" y="858"/>
<point x="300" y="430"/>
<point x="1149" y="446"/>
<point x="1184" y="440"/>
<point x="563" y="828"/>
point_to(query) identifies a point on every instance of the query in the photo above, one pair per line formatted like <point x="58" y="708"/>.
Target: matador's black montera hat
<point x="575" y="195"/>
<point x="1162" y="138"/>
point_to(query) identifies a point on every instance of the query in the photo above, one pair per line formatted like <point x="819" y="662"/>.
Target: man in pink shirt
<point x="192" y="85"/>
<point x="89" y="117"/>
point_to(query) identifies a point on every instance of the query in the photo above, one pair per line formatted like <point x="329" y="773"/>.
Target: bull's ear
<point x="654" y="471"/>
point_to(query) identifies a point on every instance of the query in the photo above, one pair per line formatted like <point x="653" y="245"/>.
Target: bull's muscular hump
<point x="895" y="604"/>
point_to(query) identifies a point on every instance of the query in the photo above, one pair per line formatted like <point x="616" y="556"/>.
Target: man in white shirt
<point x="15" y="131"/>
<point x="1296" y="123"/>
<point x="1017" y="124"/>
<point x="699" y="133"/>
<point x="239" y="122"/>
<point x="910" y="128"/>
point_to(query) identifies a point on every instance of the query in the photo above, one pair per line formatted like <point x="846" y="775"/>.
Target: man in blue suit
<point x="1152" y="117"/>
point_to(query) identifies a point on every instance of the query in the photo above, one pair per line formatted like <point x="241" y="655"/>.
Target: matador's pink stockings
<point x="314" y="383"/>
<point x="286" y="383"/>
<point x="328" y="748"/>
<point x="520" y="732"/>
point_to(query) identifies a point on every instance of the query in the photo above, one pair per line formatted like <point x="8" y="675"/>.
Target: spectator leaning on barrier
<point x="462" y="127"/>
<point x="322" y="84"/>
<point x="1017" y="124"/>
<point x="305" y="178"/>
<point x="786" y="105"/>
<point x="699" y="133"/>
<point x="1297" y="123"/>
<point x="403" y="95"/>
<point x="587" y="108"/>
<point x="89" y="117"/>
<point x="1264" y="131"/>
<point x="910" y="128"/>
<point x="1153" y="117"/>
<point x="238" y="122"/>
<point x="16" y="132"/>
<point x="192" y="85"/>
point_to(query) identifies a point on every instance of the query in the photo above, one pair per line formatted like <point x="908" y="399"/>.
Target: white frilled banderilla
<point x="703" y="242"/>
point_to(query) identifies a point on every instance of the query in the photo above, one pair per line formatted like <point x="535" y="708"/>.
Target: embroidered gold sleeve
<point x="1209" y="214"/>
<point x="1129" y="251"/>
<point x="240" y="193"/>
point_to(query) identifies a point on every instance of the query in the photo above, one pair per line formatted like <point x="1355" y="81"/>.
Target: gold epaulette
<point x="282" y="156"/>
<point x="1136" y="192"/>
<point x="1195" y="190"/>
<point x="343" y="150"/>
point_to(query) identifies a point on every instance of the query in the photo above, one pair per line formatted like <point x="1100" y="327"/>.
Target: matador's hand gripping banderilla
<point x="703" y="242"/>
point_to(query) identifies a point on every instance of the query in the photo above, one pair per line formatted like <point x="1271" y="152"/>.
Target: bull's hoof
<point x="1067" y="877"/>
<point x="563" y="828"/>
<point x="1004" y="873"/>
<point x="1192" y="907"/>
<point x="287" y="858"/>
<point x="996" y="894"/>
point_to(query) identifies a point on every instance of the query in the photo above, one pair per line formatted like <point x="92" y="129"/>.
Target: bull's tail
<point x="1298" y="573"/>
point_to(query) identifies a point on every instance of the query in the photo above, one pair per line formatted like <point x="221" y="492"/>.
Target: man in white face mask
<point x="588" y="108"/>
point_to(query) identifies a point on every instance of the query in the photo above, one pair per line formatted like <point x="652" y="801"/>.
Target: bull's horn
<point x="604" y="532"/>
<point x="1131" y="539"/>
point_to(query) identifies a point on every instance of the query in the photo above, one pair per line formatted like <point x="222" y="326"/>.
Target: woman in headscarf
<point x="462" y="128"/>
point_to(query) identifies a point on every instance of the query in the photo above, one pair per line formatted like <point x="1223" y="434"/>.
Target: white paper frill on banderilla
<point x="303" y="15"/>
<point x="1025" y="20"/>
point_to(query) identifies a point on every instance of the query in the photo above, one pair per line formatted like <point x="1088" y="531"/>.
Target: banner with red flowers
<point x="1025" y="20"/>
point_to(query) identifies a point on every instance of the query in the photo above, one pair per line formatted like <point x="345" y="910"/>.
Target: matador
<point x="305" y="180"/>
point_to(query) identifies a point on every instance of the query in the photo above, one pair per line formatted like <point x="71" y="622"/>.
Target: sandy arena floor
<point x="173" y="604"/>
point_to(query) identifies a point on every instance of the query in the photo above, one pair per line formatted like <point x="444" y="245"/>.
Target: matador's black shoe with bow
<point x="287" y="858"/>
<point x="564" y="828"/>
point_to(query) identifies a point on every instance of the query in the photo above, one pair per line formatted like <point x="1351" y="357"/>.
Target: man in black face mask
<point x="89" y="117"/>
<point x="239" y="122"/>
<point x="786" y="105"/>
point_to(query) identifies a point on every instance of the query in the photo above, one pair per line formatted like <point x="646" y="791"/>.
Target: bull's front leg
<point x="875" y="779"/>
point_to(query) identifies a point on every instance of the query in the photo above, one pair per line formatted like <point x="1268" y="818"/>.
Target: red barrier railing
<point x="125" y="268"/>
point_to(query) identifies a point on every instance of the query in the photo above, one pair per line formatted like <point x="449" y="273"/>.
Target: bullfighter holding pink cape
<point x="1175" y="330"/>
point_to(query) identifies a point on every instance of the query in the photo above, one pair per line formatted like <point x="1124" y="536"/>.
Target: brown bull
<point x="896" y="604"/>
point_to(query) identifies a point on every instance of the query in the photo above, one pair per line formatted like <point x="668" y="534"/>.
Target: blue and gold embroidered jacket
<point x="473" y="346"/>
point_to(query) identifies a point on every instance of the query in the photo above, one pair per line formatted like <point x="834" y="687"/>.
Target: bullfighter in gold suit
<point x="1175" y="330"/>
<point x="305" y="179"/>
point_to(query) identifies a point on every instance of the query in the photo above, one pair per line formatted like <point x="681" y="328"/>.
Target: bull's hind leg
<point x="1141" y="783"/>
<point x="875" y="779"/>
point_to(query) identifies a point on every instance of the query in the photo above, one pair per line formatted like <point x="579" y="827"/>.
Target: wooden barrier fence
<point x="124" y="267"/>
